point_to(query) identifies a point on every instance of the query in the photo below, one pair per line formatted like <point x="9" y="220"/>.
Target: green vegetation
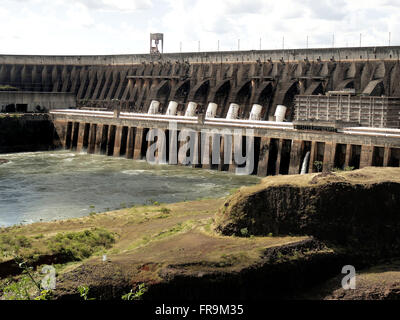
<point x="137" y="295"/>
<point x="18" y="290"/>
<point x="24" y="287"/>
<point x="244" y="232"/>
<point x="180" y="227"/>
<point x="8" y="88"/>
<point x="228" y="260"/>
<point x="12" y="244"/>
<point x="318" y="165"/>
<point x="165" y="210"/>
<point x="45" y="295"/>
<point x="348" y="168"/>
<point x="84" y="292"/>
<point x="81" y="245"/>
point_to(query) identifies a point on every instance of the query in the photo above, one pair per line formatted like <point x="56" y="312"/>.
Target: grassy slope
<point x="157" y="236"/>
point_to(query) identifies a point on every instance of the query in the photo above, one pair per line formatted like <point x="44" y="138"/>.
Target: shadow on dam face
<point x="29" y="132"/>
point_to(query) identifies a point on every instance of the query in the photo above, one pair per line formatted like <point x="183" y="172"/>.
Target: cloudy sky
<point x="123" y="26"/>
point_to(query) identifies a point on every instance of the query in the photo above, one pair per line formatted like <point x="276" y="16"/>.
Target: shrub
<point x="165" y="210"/>
<point x="318" y="165"/>
<point x="137" y="295"/>
<point x="244" y="232"/>
<point x="10" y="244"/>
<point x="81" y="245"/>
<point x="84" y="292"/>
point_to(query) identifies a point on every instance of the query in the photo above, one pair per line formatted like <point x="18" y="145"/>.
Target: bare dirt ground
<point x="381" y="282"/>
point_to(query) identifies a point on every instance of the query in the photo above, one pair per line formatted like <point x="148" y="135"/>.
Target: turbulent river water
<point x="44" y="186"/>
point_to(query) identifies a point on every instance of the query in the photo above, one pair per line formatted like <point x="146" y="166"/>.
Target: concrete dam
<point x="330" y="108"/>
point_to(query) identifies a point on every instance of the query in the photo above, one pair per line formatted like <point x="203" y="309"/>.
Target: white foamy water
<point x="43" y="186"/>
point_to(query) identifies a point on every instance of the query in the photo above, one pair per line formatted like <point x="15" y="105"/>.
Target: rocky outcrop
<point x="358" y="209"/>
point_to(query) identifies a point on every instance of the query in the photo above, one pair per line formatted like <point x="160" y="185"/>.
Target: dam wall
<point x="267" y="77"/>
<point x="278" y="149"/>
<point x="25" y="101"/>
<point x="26" y="133"/>
<point x="324" y="54"/>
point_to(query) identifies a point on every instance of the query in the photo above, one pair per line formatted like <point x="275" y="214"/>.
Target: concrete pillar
<point x="386" y="157"/>
<point x="60" y="128"/>
<point x="278" y="158"/>
<point x="329" y="156"/>
<point x="221" y="154"/>
<point x="117" y="142"/>
<point x="92" y="137"/>
<point x="218" y="149"/>
<point x="161" y="152"/>
<point x="348" y="155"/>
<point x="206" y="158"/>
<point x="81" y="134"/>
<point x="130" y="144"/>
<point x="173" y="147"/>
<point x="263" y="157"/>
<point x="110" y="140"/>
<point x="366" y="156"/>
<point x="138" y="144"/>
<point x="196" y="159"/>
<point x="295" y="157"/>
<point x="313" y="156"/>
<point x="99" y="139"/>
<point x="180" y="145"/>
<point x="236" y="144"/>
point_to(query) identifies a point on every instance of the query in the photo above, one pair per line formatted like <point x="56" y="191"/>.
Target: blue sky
<point x="123" y="26"/>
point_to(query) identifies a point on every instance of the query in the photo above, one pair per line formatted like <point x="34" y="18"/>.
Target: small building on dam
<point x="309" y="109"/>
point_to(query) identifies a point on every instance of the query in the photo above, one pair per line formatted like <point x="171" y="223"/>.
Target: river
<point x="45" y="186"/>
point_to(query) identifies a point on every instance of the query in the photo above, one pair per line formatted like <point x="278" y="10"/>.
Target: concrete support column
<point x="295" y="157"/>
<point x="92" y="137"/>
<point x="263" y="157"/>
<point x="329" y="156"/>
<point x="117" y="143"/>
<point x="180" y="145"/>
<point x="366" y="156"/>
<point x="162" y="147"/>
<point x="217" y="159"/>
<point x="197" y="151"/>
<point x="110" y="140"/>
<point x="81" y="134"/>
<point x="278" y="158"/>
<point x="221" y="154"/>
<point x="138" y="144"/>
<point x="99" y="139"/>
<point x="206" y="154"/>
<point x="348" y="155"/>
<point x="60" y="128"/>
<point x="173" y="147"/>
<point x="386" y="157"/>
<point x="236" y="145"/>
<point x="130" y="143"/>
<point x="313" y="156"/>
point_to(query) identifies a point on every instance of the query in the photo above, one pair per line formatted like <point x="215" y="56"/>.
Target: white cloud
<point x="118" y="5"/>
<point x="123" y="26"/>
